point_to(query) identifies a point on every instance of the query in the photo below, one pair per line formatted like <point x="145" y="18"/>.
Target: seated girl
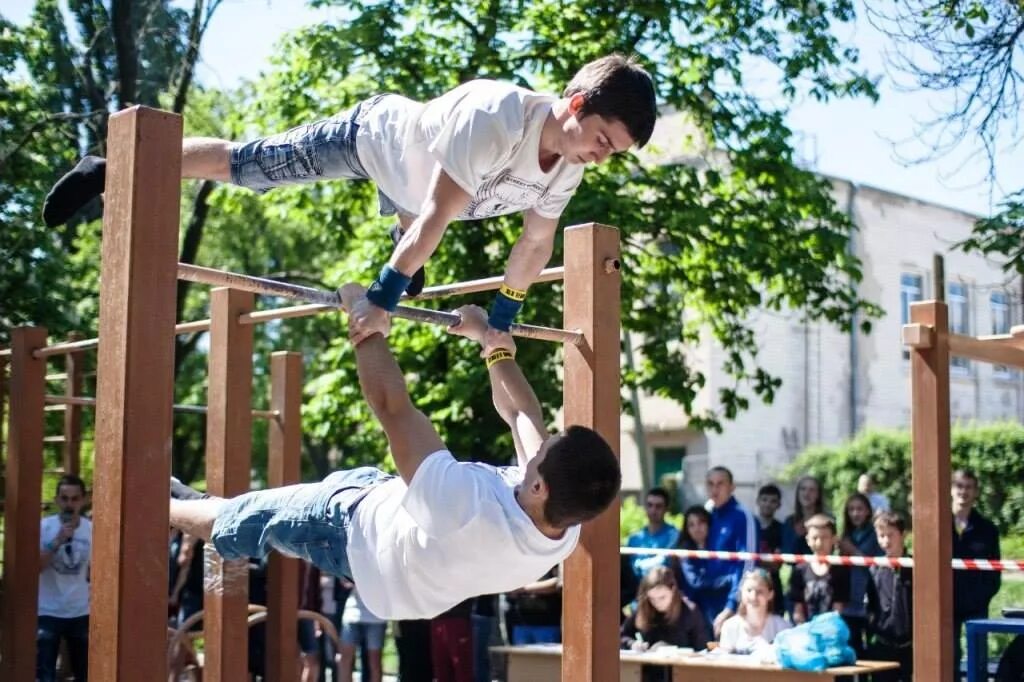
<point x="692" y="574"/>
<point x="662" y="616"/>
<point x="752" y="630"/>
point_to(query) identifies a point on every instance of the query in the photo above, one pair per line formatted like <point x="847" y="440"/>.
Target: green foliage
<point x="991" y="451"/>
<point x="704" y="244"/>
<point x="1000" y="235"/>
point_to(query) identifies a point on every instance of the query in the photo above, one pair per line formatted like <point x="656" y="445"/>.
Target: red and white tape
<point x="958" y="564"/>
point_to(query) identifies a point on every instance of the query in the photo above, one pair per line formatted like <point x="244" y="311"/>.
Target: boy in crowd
<point x="890" y="604"/>
<point x="769" y="499"/>
<point x="658" y="533"/>
<point x="818" y="587"/>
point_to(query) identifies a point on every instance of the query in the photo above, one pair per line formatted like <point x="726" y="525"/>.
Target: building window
<point x="959" y="316"/>
<point x="911" y="290"/>
<point x="999" y="302"/>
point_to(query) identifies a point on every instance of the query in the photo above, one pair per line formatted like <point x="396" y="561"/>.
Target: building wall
<point x="821" y="400"/>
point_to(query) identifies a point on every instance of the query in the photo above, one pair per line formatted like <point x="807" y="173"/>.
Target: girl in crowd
<point x="809" y="501"/>
<point x="692" y="574"/>
<point x="662" y="616"/>
<point x="858" y="538"/>
<point x="752" y="630"/>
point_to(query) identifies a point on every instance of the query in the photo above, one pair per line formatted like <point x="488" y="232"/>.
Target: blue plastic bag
<point x="822" y="643"/>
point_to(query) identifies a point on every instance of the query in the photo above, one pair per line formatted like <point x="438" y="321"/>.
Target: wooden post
<point x="24" y="474"/>
<point x="228" y="460"/>
<point x="932" y="515"/>
<point x="591" y="398"/>
<point x="135" y="392"/>
<point x="73" y="414"/>
<point x="283" y="461"/>
<point x="3" y="403"/>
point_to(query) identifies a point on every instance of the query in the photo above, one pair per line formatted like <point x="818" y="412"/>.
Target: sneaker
<point x="71" y="193"/>
<point x="419" y="277"/>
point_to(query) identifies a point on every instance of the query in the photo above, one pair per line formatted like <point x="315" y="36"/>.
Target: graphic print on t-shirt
<point x="504" y="193"/>
<point x="71" y="557"/>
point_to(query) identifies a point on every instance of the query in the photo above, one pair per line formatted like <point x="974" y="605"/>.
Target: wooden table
<point x="543" y="663"/>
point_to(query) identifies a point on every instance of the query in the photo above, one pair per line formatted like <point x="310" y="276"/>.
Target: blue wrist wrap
<point x="503" y="312"/>
<point x="388" y="288"/>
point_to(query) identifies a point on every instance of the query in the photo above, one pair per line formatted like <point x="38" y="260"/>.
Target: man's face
<point x="593" y="138"/>
<point x="70" y="499"/>
<point x="820" y="540"/>
<point x="964" y="491"/>
<point x="719" y="488"/>
<point x="890" y="540"/>
<point x="655" y="507"/>
<point x="767" y="505"/>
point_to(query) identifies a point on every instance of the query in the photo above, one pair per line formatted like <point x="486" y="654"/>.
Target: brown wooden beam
<point x="283" y="460"/>
<point x="590" y="606"/>
<point x="228" y="462"/>
<point x="135" y="389"/>
<point x="995" y="351"/>
<point x="932" y="515"/>
<point x="24" y="476"/>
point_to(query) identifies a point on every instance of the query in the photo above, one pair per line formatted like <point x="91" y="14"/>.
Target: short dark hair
<point x="659" y="492"/>
<point x="617" y="87"/>
<point x="582" y="474"/>
<point x="821" y="521"/>
<point x="966" y="473"/>
<point x="70" y="479"/>
<point x="720" y="470"/>
<point x="890" y="519"/>
<point x="770" y="489"/>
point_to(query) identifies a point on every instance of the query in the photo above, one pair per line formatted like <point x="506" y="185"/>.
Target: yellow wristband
<point x="499" y="355"/>
<point x="514" y="294"/>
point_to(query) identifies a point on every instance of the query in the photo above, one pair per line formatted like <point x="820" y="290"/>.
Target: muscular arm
<point x="445" y="201"/>
<point x="410" y="434"/>
<point x="517" y="404"/>
<point x="531" y="252"/>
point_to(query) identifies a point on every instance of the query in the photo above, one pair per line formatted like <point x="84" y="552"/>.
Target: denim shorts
<point x="323" y="150"/>
<point x="354" y="634"/>
<point x="309" y="521"/>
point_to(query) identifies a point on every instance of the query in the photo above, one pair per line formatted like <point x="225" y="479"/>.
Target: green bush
<point x="995" y="452"/>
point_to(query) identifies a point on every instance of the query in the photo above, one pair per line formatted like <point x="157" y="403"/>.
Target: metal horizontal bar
<point x="330" y="299"/>
<point x="477" y="285"/>
<point x="63" y="401"/>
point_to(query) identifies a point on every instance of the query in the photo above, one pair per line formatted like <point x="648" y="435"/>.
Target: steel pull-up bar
<point x="269" y="287"/>
<point x="61" y="401"/>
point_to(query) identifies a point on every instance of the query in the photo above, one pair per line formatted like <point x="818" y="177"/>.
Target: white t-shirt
<point x="64" y="582"/>
<point x="356" y="611"/>
<point x="735" y="639"/>
<point x="486" y="136"/>
<point x="456" y="532"/>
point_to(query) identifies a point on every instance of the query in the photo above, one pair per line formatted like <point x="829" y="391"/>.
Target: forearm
<point x="418" y="244"/>
<point x="45" y="556"/>
<point x="513" y="396"/>
<point x="527" y="259"/>
<point x="380" y="377"/>
<point x="548" y="586"/>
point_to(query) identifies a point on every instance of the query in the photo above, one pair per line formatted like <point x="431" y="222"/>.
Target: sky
<point x="849" y="139"/>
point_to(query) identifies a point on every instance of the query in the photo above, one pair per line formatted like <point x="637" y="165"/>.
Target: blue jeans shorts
<point x="354" y="634"/>
<point x="309" y="521"/>
<point x="323" y="150"/>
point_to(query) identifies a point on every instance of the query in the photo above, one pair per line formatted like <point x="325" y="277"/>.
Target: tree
<point x="705" y="243"/>
<point x="973" y="52"/>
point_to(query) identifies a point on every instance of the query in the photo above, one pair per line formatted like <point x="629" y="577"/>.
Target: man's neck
<point x="766" y="521"/>
<point x="655" y="528"/>
<point x="538" y="519"/>
<point x="962" y="513"/>
<point x="550" y="151"/>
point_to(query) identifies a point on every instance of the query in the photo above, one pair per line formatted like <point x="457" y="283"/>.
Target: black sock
<point x="180" y="491"/>
<point x="78" y="187"/>
<point x="419" y="277"/>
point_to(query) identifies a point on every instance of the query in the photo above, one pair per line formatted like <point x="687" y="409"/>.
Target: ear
<point x="576" y="103"/>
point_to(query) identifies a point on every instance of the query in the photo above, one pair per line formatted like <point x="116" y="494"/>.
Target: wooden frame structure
<point x="133" y="428"/>
<point x="931" y="345"/>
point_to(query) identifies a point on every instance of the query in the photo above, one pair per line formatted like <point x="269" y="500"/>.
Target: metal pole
<point x="267" y="287"/>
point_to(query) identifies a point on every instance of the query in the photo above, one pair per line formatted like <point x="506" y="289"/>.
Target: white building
<point x="836" y="383"/>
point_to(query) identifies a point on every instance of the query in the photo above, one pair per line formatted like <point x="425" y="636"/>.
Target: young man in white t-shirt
<point x="483" y="149"/>
<point x="65" y="545"/>
<point x="443" y="530"/>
